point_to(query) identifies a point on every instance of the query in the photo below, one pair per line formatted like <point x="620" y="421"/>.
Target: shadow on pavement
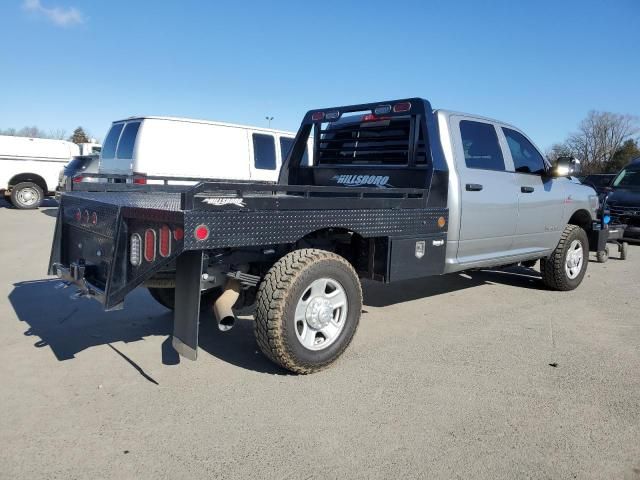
<point x="50" y="212"/>
<point x="380" y="295"/>
<point x="69" y="326"/>
<point x="48" y="202"/>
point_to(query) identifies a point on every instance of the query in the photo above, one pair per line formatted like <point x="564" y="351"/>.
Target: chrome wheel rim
<point x="574" y="261"/>
<point x="27" y="196"/>
<point x="321" y="313"/>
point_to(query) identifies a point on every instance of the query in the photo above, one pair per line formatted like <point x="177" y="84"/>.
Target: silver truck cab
<point x="504" y="205"/>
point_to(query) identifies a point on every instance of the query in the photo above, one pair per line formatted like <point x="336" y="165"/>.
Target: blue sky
<point x="540" y="65"/>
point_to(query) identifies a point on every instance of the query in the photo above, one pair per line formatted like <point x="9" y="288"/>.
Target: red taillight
<point x="149" y="245"/>
<point x="77" y="215"/>
<point x="77" y="179"/>
<point x="317" y="116"/>
<point x="178" y="234"/>
<point x="85" y="216"/>
<point x="202" y="232"/>
<point x="402" y="107"/>
<point x="165" y="241"/>
<point x="140" y="179"/>
<point x="94" y="218"/>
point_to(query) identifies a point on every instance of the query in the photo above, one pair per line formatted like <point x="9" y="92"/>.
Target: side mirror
<point x="566" y="167"/>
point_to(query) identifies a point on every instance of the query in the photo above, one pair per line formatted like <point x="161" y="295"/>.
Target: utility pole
<point x="268" y="119"/>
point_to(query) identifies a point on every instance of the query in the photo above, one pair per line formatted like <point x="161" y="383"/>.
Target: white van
<point x="141" y="147"/>
<point x="30" y="167"/>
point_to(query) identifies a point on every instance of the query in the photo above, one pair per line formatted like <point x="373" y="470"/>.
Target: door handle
<point x="527" y="189"/>
<point x="473" y="187"/>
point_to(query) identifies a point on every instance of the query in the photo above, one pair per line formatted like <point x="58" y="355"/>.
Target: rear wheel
<point x="624" y="250"/>
<point x="26" y="196"/>
<point x="308" y="310"/>
<point x="565" y="268"/>
<point x="166" y="297"/>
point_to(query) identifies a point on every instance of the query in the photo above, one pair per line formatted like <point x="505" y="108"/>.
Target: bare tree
<point x="58" y="134"/>
<point x="598" y="138"/>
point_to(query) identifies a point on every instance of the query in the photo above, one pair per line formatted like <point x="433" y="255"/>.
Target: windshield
<point x="628" y="178"/>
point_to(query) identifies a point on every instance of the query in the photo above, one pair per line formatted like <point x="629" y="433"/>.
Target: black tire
<point x="624" y="251"/>
<point x="283" y="286"/>
<point x="529" y="263"/>
<point x="166" y="297"/>
<point x="24" y="190"/>
<point x="552" y="268"/>
<point x="603" y="255"/>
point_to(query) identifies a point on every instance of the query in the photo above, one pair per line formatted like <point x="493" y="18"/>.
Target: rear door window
<point x="264" y="152"/>
<point x="111" y="142"/>
<point x="526" y="158"/>
<point x="128" y="140"/>
<point x="481" y="147"/>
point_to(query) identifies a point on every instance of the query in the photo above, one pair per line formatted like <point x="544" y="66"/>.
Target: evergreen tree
<point x="79" y="136"/>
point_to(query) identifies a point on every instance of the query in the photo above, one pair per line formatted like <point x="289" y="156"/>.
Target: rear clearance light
<point x="178" y="234"/>
<point x="317" y="116"/>
<point x="140" y="179"/>
<point x="402" y="107"/>
<point x="332" y="115"/>
<point x="135" y="250"/>
<point x="164" y="247"/>
<point x="94" y="218"/>
<point x="201" y="232"/>
<point x="85" y="216"/>
<point x="77" y="178"/>
<point x="382" y="110"/>
<point x="77" y="215"/>
<point x="149" y="245"/>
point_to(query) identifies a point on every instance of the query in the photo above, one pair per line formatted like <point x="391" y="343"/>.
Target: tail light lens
<point x="178" y="234"/>
<point x="165" y="241"/>
<point x="77" y="178"/>
<point x="94" y="218"/>
<point x="77" y="215"/>
<point x="149" y="245"/>
<point x="85" y="216"/>
<point x="139" y="179"/>
<point x="135" y="250"/>
<point x="317" y="116"/>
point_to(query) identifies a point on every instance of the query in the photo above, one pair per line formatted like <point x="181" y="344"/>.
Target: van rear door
<point x="119" y="147"/>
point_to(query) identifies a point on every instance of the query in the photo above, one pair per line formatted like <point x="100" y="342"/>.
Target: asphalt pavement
<point x="481" y="375"/>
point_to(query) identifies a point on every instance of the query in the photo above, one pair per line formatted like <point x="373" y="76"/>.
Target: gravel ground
<point x="485" y="375"/>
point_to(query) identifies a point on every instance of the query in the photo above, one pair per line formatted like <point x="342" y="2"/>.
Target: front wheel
<point x="26" y="196"/>
<point x="308" y="310"/>
<point x="565" y="268"/>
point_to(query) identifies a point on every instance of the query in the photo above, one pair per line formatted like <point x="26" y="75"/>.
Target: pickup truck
<point x="396" y="191"/>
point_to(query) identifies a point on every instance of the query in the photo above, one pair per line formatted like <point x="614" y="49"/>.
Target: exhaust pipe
<point x="222" y="306"/>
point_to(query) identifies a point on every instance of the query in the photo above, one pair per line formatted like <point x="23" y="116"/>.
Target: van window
<point x="128" y="140"/>
<point x="481" y="147"/>
<point x="286" y="144"/>
<point x="264" y="151"/>
<point x="110" y="143"/>
<point x="526" y="158"/>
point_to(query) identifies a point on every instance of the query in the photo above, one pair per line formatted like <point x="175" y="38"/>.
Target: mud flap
<point x="187" y="304"/>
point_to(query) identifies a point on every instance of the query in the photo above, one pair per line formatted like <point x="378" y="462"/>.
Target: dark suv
<point x="599" y="181"/>
<point x="624" y="199"/>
